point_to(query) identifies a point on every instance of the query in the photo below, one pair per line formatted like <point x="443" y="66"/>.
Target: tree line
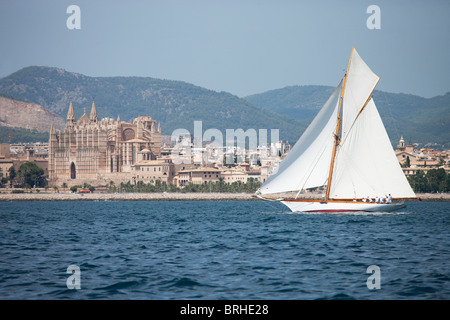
<point x="16" y="135"/>
<point x="220" y="186"/>
<point x="435" y="180"/>
<point x="29" y="175"/>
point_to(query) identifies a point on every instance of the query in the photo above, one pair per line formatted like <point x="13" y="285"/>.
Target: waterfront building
<point x="150" y="171"/>
<point x="202" y="175"/>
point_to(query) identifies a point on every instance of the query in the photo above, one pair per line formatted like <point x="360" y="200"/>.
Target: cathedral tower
<point x="70" y="116"/>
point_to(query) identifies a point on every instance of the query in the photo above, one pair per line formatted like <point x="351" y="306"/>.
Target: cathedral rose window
<point x="128" y="134"/>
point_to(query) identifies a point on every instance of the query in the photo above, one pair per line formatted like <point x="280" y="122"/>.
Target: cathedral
<point x="89" y="149"/>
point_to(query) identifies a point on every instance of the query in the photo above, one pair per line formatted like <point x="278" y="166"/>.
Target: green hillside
<point x="176" y="104"/>
<point x="415" y="118"/>
<point x="299" y="102"/>
<point x="21" y="135"/>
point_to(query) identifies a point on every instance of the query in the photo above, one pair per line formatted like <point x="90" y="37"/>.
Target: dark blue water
<point x="221" y="250"/>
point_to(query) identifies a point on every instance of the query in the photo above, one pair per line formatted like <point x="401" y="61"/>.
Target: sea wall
<point x="126" y="197"/>
<point x="193" y="196"/>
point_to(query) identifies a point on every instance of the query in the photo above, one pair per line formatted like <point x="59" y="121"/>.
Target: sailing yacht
<point x="345" y="151"/>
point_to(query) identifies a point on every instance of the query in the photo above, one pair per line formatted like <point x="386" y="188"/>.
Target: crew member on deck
<point x="389" y="199"/>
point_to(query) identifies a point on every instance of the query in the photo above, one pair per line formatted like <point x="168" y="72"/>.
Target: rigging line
<point x="361" y="110"/>
<point x="336" y="134"/>
<point x="357" y="170"/>
<point x="310" y="172"/>
<point x="338" y="125"/>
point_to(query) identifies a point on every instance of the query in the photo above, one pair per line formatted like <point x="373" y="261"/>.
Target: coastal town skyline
<point x="105" y="152"/>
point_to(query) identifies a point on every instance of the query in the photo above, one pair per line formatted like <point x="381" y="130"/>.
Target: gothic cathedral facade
<point x="90" y="149"/>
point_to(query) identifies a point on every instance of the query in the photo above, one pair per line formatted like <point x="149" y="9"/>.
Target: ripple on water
<point x="220" y="250"/>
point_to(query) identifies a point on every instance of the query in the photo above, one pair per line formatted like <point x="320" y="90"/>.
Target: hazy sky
<point x="242" y="47"/>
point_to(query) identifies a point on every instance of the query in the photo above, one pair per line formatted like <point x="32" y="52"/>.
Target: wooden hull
<point x="340" y="206"/>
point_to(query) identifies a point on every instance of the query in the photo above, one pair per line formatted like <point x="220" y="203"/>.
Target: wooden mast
<point x="336" y="133"/>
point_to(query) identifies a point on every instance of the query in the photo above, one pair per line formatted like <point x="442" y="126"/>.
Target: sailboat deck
<point x="325" y="201"/>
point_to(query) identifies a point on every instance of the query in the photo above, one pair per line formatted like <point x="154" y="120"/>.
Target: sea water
<point x="221" y="250"/>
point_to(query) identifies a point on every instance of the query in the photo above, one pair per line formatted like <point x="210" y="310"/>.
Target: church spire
<point x="93" y="116"/>
<point x="70" y="117"/>
<point x="52" y="128"/>
<point x="70" y="114"/>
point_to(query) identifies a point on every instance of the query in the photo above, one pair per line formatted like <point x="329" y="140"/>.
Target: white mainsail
<point x="364" y="164"/>
<point x="307" y="164"/>
<point x="361" y="82"/>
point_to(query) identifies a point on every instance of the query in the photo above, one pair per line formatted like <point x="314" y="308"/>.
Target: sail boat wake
<point x="346" y="150"/>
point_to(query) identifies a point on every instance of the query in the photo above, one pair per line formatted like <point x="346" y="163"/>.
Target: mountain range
<point x="417" y="119"/>
<point x="178" y="104"/>
<point x="175" y="104"/>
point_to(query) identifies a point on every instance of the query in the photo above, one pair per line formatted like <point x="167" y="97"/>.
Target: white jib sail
<point x="366" y="164"/>
<point x="307" y="164"/>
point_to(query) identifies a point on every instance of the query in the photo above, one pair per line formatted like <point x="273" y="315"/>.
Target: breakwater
<point x="176" y="196"/>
